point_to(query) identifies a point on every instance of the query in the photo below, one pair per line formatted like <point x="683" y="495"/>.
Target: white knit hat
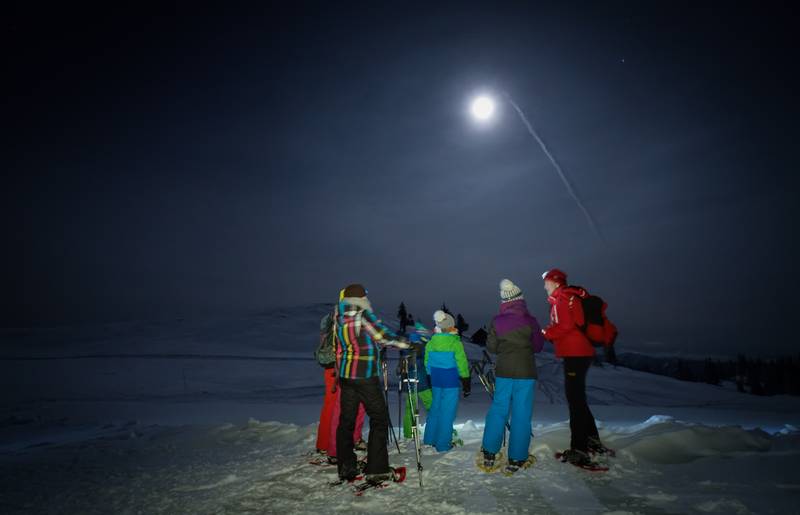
<point x="443" y="320"/>
<point x="509" y="291"/>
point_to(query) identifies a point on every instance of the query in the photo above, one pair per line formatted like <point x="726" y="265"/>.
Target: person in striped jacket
<point x="360" y="335"/>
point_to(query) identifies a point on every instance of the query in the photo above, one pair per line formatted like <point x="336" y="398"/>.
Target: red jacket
<point x="566" y="314"/>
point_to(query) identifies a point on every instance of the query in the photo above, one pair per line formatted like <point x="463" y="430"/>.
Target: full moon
<point x="482" y="108"/>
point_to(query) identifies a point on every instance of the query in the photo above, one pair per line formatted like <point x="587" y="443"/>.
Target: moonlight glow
<point x="482" y="108"/>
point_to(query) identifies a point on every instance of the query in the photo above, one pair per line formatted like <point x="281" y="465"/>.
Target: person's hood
<point x="514" y="315"/>
<point x="518" y="306"/>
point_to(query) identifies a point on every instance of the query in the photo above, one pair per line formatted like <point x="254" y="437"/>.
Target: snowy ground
<point x="218" y="416"/>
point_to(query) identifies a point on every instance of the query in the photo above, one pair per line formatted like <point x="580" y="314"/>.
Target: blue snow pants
<point x="439" y="423"/>
<point x="514" y="397"/>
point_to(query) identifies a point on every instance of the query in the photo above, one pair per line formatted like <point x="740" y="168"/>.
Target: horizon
<point x="645" y="348"/>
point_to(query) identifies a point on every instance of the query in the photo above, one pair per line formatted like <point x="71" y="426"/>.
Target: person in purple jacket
<point x="515" y="337"/>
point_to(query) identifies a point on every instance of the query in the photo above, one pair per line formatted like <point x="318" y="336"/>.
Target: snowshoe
<point x="323" y="461"/>
<point x="489" y="462"/>
<point x="597" y="448"/>
<point x="358" y="475"/>
<point x="513" y="465"/>
<point x="332" y="461"/>
<point x="379" y="481"/>
<point x="580" y="459"/>
<point x="342" y="481"/>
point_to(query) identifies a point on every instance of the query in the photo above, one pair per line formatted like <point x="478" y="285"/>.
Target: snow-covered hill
<point x="164" y="418"/>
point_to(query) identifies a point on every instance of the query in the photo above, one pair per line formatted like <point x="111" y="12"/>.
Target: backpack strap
<point x="585" y="325"/>
<point x="335" y="339"/>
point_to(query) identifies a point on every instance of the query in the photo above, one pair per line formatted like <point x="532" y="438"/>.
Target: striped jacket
<point x="359" y="335"/>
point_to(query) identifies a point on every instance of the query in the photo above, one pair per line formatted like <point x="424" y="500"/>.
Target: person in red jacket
<point x="572" y="345"/>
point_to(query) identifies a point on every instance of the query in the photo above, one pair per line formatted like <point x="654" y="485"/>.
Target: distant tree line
<point x="406" y="319"/>
<point x="779" y="376"/>
<point x="756" y="376"/>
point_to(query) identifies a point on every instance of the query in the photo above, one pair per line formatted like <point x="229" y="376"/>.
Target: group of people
<point x="357" y="338"/>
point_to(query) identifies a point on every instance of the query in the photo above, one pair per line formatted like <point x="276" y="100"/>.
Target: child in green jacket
<point x="448" y="368"/>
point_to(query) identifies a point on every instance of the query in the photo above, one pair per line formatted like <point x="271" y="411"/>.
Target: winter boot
<point x="580" y="459"/>
<point x="379" y="478"/>
<point x="512" y="467"/>
<point x="597" y="448"/>
<point x="488" y="459"/>
<point x="488" y="462"/>
<point x="576" y="457"/>
<point x="515" y="465"/>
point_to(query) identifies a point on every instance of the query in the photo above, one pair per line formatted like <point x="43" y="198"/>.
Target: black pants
<point x="581" y="420"/>
<point x="368" y="392"/>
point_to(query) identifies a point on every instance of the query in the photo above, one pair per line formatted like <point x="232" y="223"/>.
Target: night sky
<point x="192" y="162"/>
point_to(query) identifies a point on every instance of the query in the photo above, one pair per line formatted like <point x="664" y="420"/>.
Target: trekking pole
<point x="402" y="373"/>
<point x="391" y="434"/>
<point x="415" y="413"/>
<point x="477" y="368"/>
<point x="487" y="360"/>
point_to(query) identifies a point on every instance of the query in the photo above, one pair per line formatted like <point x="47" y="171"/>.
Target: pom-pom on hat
<point x="443" y="320"/>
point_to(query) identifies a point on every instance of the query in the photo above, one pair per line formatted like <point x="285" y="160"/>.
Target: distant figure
<point x="515" y="336"/>
<point x="360" y="335"/>
<point x="447" y="365"/>
<point x="571" y="344"/>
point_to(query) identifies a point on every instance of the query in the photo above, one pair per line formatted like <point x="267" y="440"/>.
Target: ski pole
<point x="415" y="414"/>
<point x="386" y="399"/>
<point x="402" y="374"/>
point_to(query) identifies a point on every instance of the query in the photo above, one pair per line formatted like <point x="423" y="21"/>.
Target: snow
<point x="218" y="416"/>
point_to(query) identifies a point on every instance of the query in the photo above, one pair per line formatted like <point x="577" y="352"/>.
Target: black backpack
<point x="594" y="320"/>
<point x="325" y="354"/>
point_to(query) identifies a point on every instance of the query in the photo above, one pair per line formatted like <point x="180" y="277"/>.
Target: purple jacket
<point x="515" y="336"/>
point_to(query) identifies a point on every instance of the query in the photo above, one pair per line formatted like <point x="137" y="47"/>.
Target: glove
<point x="466" y="386"/>
<point x="399" y="344"/>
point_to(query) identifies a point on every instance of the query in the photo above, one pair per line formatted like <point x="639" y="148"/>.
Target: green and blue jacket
<point x="446" y="361"/>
